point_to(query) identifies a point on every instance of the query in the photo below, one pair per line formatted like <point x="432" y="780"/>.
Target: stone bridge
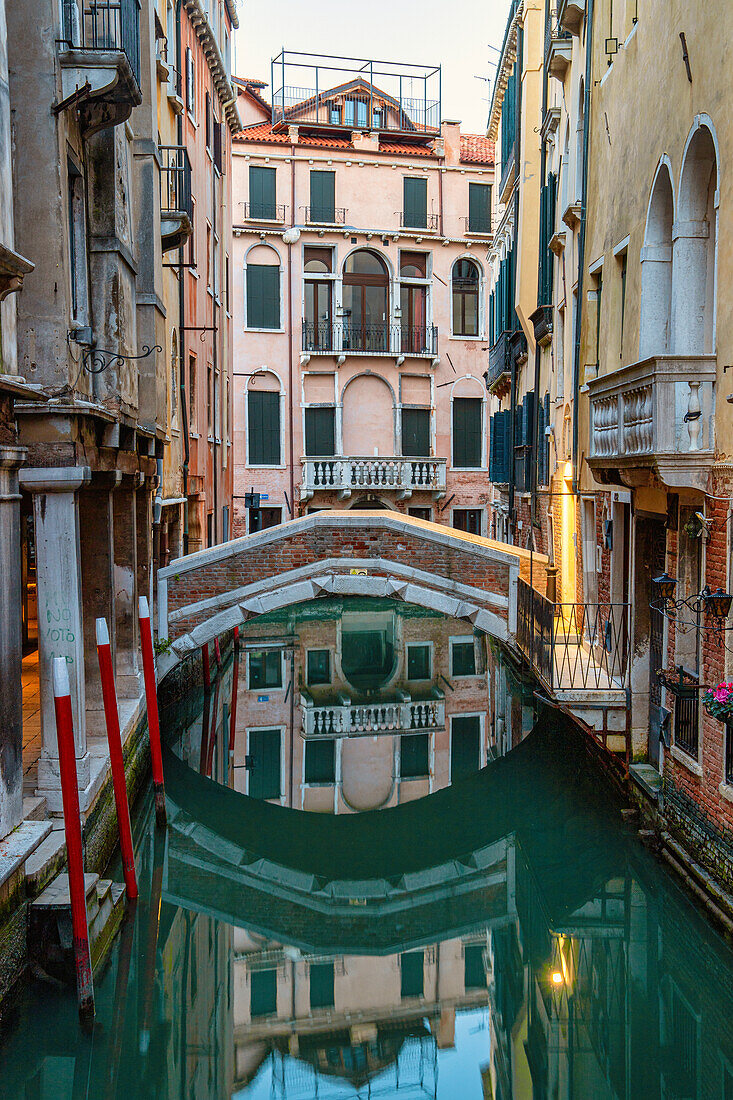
<point x="357" y="553"/>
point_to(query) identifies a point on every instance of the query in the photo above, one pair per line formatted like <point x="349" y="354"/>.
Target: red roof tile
<point x="263" y="132"/>
<point x="405" y="148"/>
<point x="476" y="149"/>
<point x="250" y="81"/>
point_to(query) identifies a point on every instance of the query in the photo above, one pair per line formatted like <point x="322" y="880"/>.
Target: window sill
<point x="271" y="330"/>
<point x="468" y="469"/>
<point x="472" y="339"/>
<point x="256" y="466"/>
<point x="726" y="790"/>
<point x="192" y="120"/>
<point x="686" y="761"/>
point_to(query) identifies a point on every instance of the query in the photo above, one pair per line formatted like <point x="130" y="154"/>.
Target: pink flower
<point x="721" y="693"/>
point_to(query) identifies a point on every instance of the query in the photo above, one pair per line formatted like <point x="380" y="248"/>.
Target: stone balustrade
<point x="390" y="474"/>
<point x="346" y="719"/>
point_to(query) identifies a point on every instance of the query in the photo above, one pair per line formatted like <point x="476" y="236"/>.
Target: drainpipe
<point x="517" y="160"/>
<point x="581" y="237"/>
<point x="291" y="424"/>
<point x="181" y="315"/>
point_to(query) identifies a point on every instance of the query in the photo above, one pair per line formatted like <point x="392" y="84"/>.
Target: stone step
<point x="20" y="846"/>
<point x="34" y="807"/>
<point x="50" y="934"/>
<point x="46" y="862"/>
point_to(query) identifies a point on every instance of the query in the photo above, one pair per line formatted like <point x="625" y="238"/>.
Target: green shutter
<point x="479" y="207"/>
<point x="318" y="666"/>
<point x="262" y="193"/>
<point x="466" y="432"/>
<point x="414" y="756"/>
<point x="323" y="196"/>
<point x="263" y="427"/>
<point x="416" y="203"/>
<point x="474" y="970"/>
<point x="320" y="762"/>
<point x="264" y="776"/>
<point x="464" y="747"/>
<point x="321" y="985"/>
<point x="320" y="431"/>
<point x="418" y="662"/>
<point x="263" y="992"/>
<point x="416" y="433"/>
<point x="412" y="967"/>
<point x="463" y="658"/>
<point x="263" y="296"/>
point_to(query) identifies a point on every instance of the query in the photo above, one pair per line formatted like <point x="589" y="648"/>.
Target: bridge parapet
<point x="380" y="553"/>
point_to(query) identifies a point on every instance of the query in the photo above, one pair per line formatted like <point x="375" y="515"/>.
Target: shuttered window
<point x="416" y="433"/>
<point x="321" y="985"/>
<point x="414" y="756"/>
<point x="412" y="968"/>
<point x="500" y="447"/>
<point x="320" y="431"/>
<point x="263" y="428"/>
<point x="464" y="747"/>
<point x="474" y="970"/>
<point x="463" y="658"/>
<point x="467" y="432"/>
<point x="190" y="85"/>
<point x="479" y="207"/>
<point x="264" y="771"/>
<point x="262" y="992"/>
<point x="320" y="761"/>
<point x="415" y="214"/>
<point x="323" y="197"/>
<point x="263" y="296"/>
<point x="262" y="193"/>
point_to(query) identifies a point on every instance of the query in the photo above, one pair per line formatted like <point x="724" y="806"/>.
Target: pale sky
<point x="455" y="34"/>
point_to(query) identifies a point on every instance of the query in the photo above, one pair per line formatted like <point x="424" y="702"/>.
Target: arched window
<point x="263" y="288"/>
<point x="466" y="283"/>
<point x="693" y="291"/>
<point x="366" y="303"/>
<point x="317" y="265"/>
<point x="656" y="270"/>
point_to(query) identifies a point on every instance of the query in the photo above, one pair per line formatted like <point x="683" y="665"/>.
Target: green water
<point x="483" y="927"/>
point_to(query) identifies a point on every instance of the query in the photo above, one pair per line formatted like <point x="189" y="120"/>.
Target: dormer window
<point x="335" y="114"/>
<point x="377" y="118"/>
<point x="355" y="112"/>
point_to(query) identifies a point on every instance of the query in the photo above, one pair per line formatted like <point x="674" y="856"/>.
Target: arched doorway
<point x="693" y="288"/>
<point x="366" y="302"/>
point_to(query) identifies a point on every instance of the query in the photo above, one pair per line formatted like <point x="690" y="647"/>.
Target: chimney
<point x="367" y="142"/>
<point x="451" y="132"/>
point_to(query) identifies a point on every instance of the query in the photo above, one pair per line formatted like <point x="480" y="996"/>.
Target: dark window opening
<point x="463" y="658"/>
<point x="414" y="756"/>
<point x="318" y="666"/>
<point x="467" y="519"/>
<point x="265" y="669"/>
<point x="320" y="762"/>
<point x="418" y="662"/>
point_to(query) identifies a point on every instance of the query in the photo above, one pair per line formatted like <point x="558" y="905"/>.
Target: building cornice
<point x="508" y="57"/>
<point x="224" y="90"/>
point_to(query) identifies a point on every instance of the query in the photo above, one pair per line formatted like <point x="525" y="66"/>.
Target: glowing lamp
<point x="557" y="977"/>
<point x="718" y="603"/>
<point x="665" y="586"/>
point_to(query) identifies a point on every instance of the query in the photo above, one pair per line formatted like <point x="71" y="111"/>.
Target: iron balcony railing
<point x="175" y="180"/>
<point x="573" y="646"/>
<point x="105" y="25"/>
<point x="379" y="339"/>
<point x="263" y="211"/>
<point x="428" y="222"/>
<point x="324" y="215"/>
<point x="477" y="226"/>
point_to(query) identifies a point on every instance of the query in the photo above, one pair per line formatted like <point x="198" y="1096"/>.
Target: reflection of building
<point x="361" y="219"/>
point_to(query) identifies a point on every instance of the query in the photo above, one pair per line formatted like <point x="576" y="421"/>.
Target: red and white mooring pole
<point x="72" y="828"/>
<point x="151" y="698"/>
<point x="235" y="692"/>
<point x="119" y="782"/>
<point x="217" y="652"/>
<point x="206" y="666"/>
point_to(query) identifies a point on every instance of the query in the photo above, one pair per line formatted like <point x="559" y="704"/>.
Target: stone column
<point x="690" y="243"/>
<point x="97" y="568"/>
<point x="60" y="627"/>
<point x="11" y="655"/>
<point x="124" y="502"/>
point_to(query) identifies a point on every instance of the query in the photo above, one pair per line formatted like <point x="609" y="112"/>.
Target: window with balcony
<point x="320" y="431"/>
<point x="414" y="756"/>
<point x="465" y="746"/>
<point x="414" y="333"/>
<point x="366" y="303"/>
<point x="318" y="295"/>
<point x="262" y="992"/>
<point x="262" y="193"/>
<point x="467" y="432"/>
<point x="479" y="207"/>
<point x="466" y="282"/>
<point x="412" y="969"/>
<point x="322" y="197"/>
<point x="415" y="205"/>
<point x="415" y="433"/>
<point x="263" y="428"/>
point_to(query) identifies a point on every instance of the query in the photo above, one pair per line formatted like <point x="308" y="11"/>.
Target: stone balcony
<point x="655" y="417"/>
<point x="346" y="719"/>
<point x="402" y="476"/>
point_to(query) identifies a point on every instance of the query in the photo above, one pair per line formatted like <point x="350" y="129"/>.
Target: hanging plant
<point x="718" y="701"/>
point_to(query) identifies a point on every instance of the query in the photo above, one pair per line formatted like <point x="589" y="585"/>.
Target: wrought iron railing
<point x="175" y="180"/>
<point x="685" y="687"/>
<point x="324" y="215"/>
<point x="263" y="211"/>
<point x="379" y="339"/>
<point x="573" y="646"/>
<point x="105" y="25"/>
<point x="482" y="229"/>
<point x="428" y="222"/>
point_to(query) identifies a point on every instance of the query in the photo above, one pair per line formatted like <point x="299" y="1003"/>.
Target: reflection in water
<point x="500" y="938"/>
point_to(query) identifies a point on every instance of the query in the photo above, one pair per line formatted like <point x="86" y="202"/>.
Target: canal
<point x="388" y="872"/>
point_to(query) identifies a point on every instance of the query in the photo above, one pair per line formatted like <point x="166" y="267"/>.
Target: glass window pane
<point x="463" y="658"/>
<point x="418" y="662"/>
<point x="318" y="669"/>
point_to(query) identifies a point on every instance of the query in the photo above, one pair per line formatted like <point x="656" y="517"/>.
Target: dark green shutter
<point x="262" y="193"/>
<point x="412" y="968"/>
<point x="474" y="971"/>
<point x="320" y="431"/>
<point x="263" y="426"/>
<point x="262" y="992"/>
<point x="323" y="196"/>
<point x="479" y="207"/>
<point x="321" y="985"/>
<point x="264" y="776"/>
<point x="416" y="203"/>
<point x="418" y="662"/>
<point x="263" y="296"/>
<point x="464" y="747"/>
<point x="416" y="433"/>
<point x="506" y="459"/>
<point x="466" y="431"/>
<point x="414" y="756"/>
<point x="318" y="666"/>
<point x="320" y="761"/>
<point x="463" y="658"/>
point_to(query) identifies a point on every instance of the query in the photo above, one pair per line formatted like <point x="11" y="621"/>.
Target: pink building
<point x="361" y="223"/>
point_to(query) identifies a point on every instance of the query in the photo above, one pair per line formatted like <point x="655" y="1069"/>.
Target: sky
<point x="455" y="34"/>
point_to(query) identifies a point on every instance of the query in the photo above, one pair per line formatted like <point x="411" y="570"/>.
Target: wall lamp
<point x="716" y="603"/>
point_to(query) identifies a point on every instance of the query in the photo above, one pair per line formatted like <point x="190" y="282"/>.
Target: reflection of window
<point x="321" y="985"/>
<point x="418" y="662"/>
<point x="465" y="746"/>
<point x="413" y="302"/>
<point x="318" y="666"/>
<point x="262" y="992"/>
<point x="465" y="298"/>
<point x="320" y="762"/>
<point x="415" y="433"/>
<point x="463" y="658"/>
<point x="474" y="970"/>
<point x="265" y="669"/>
<point x="335" y="115"/>
<point x="467" y="519"/>
<point x="263" y="428"/>
<point x="263" y="296"/>
<point x="264" y="764"/>
<point x="262" y="193"/>
<point x="412" y="970"/>
<point x="377" y="118"/>
<point x="467" y="417"/>
<point x="414" y="756"/>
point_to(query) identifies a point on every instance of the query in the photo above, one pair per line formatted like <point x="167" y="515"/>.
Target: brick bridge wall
<point x="206" y="593"/>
